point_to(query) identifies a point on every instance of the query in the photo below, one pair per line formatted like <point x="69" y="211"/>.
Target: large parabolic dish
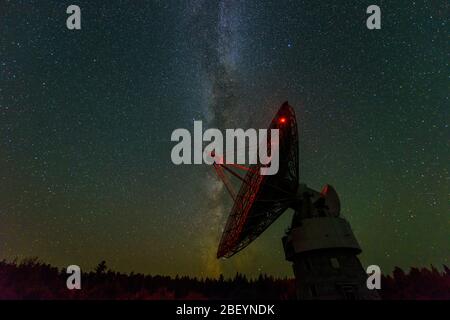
<point x="262" y="199"/>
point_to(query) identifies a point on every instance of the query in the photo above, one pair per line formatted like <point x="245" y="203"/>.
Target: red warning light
<point x="282" y="120"/>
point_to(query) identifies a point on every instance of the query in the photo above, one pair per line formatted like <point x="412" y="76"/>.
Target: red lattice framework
<point x="261" y="199"/>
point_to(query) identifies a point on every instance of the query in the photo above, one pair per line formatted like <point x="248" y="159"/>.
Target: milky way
<point x="86" y="118"/>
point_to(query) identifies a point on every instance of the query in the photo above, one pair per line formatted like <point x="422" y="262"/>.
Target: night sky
<point x="86" y="118"/>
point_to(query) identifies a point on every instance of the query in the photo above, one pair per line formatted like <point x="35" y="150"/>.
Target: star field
<point x="86" y="118"/>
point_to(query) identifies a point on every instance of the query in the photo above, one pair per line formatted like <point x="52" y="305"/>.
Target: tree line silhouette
<point x="32" y="279"/>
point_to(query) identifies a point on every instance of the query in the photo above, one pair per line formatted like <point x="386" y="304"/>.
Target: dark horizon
<point x="31" y="280"/>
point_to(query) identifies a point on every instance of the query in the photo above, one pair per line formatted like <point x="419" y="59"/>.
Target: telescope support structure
<point x="324" y="253"/>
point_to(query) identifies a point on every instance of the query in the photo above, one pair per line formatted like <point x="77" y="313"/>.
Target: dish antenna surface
<point x="262" y="198"/>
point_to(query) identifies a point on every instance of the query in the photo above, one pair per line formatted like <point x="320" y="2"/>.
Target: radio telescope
<point x="320" y="243"/>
